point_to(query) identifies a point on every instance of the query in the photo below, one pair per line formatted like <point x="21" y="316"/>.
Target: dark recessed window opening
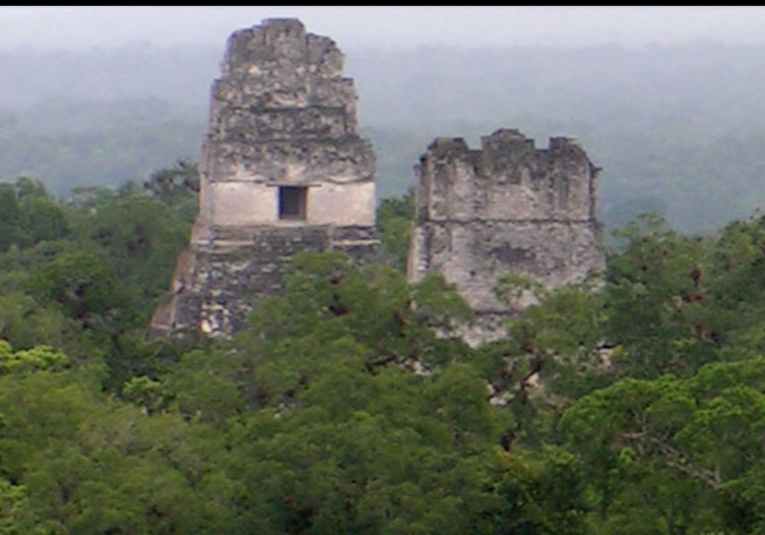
<point x="292" y="202"/>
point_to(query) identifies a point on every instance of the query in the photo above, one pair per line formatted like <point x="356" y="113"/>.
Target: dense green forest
<point x="677" y="129"/>
<point x="631" y="405"/>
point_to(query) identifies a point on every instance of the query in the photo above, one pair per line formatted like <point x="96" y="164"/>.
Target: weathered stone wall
<point x="251" y="203"/>
<point x="217" y="285"/>
<point x="281" y="114"/>
<point x="506" y="208"/>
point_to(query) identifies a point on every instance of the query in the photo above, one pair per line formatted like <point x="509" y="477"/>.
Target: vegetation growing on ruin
<point x="635" y="407"/>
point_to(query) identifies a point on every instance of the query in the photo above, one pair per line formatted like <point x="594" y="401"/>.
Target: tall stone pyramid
<point x="283" y="170"/>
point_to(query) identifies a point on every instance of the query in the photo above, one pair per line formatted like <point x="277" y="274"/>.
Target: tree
<point x="395" y="216"/>
<point x="83" y="287"/>
<point x="177" y="187"/>
<point x="75" y="459"/>
<point x="679" y="450"/>
<point x="658" y="301"/>
<point x="11" y="219"/>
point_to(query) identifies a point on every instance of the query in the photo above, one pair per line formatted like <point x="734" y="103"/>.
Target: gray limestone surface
<point x="507" y="208"/>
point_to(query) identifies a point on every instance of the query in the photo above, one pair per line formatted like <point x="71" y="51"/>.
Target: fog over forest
<point x="676" y="126"/>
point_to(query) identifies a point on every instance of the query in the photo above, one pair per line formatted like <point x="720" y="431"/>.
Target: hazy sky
<point x="107" y="26"/>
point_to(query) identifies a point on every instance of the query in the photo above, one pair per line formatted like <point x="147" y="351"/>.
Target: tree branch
<point x="677" y="459"/>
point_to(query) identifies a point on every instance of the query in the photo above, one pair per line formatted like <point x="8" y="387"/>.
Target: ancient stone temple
<point x="508" y="208"/>
<point x="283" y="170"/>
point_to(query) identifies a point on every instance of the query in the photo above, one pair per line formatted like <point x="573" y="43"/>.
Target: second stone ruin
<point x="507" y="208"/>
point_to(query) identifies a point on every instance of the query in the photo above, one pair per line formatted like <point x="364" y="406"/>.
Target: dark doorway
<point x="292" y="202"/>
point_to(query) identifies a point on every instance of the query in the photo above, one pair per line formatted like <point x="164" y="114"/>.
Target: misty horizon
<point x="85" y="27"/>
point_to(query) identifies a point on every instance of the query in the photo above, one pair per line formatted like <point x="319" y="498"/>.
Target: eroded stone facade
<point x="507" y="208"/>
<point x="283" y="170"/>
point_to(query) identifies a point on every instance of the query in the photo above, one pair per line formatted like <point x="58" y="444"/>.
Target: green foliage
<point x="139" y="239"/>
<point x="693" y="438"/>
<point x="145" y="392"/>
<point x="11" y="219"/>
<point x="395" y="216"/>
<point x="203" y="387"/>
<point x="177" y="186"/>
<point x="438" y="303"/>
<point x="81" y="285"/>
<point x="85" y="275"/>
<point x="326" y="301"/>
<point x="658" y="301"/>
<point x="350" y="405"/>
<point x="512" y="288"/>
<point x="29" y="214"/>
<point x="37" y="358"/>
<point x="340" y="460"/>
<point x="75" y="460"/>
<point x="544" y="493"/>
